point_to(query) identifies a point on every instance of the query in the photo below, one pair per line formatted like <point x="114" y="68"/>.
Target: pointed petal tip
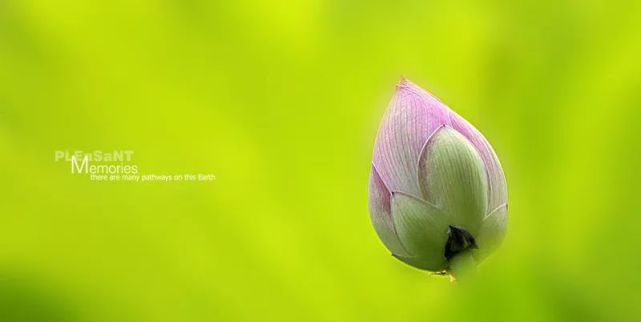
<point x="404" y="83"/>
<point x="407" y="87"/>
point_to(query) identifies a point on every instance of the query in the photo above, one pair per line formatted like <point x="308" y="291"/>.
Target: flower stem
<point x="462" y="265"/>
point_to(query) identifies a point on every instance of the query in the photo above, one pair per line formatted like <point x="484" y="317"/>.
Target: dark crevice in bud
<point x="459" y="240"/>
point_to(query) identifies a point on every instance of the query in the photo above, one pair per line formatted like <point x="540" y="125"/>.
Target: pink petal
<point x="412" y="116"/>
<point x="380" y="210"/>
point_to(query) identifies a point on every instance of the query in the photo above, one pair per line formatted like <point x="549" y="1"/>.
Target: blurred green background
<point x="281" y="101"/>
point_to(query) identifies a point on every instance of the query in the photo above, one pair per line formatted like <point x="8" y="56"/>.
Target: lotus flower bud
<point x="436" y="188"/>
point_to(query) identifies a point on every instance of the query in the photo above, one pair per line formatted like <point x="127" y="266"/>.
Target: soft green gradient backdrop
<point x="281" y="100"/>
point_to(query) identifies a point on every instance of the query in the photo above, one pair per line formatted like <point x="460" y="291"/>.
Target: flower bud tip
<point x="403" y="83"/>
